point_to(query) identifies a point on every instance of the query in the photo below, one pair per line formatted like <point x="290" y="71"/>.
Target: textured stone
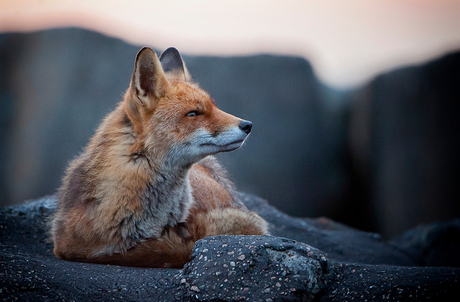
<point x="350" y="265"/>
<point x="271" y="267"/>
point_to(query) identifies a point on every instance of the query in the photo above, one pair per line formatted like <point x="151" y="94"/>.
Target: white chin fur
<point x="225" y="141"/>
<point x="203" y="144"/>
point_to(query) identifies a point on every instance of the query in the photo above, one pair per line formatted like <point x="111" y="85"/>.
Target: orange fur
<point x="146" y="186"/>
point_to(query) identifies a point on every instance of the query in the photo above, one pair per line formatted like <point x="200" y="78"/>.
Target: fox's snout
<point x="245" y="126"/>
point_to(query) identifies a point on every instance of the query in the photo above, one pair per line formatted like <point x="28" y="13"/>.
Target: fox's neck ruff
<point x="167" y="187"/>
<point x="168" y="192"/>
<point x="164" y="200"/>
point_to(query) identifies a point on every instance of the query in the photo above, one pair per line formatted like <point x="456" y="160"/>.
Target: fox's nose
<point x="246" y="126"/>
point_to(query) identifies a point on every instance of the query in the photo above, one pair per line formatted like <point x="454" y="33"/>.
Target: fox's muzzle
<point x="245" y="126"/>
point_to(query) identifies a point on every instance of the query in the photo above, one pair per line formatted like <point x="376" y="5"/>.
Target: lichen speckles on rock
<point x="357" y="267"/>
<point x="255" y="267"/>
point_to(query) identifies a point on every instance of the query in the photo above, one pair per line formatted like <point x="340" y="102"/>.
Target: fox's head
<point x="173" y="119"/>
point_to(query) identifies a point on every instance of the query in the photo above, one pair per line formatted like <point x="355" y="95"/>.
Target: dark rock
<point x="404" y="140"/>
<point x="355" y="246"/>
<point x="437" y="244"/>
<point x="248" y="268"/>
<point x="349" y="264"/>
<point x="393" y="283"/>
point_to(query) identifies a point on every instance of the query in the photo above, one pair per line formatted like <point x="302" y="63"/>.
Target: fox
<point x="147" y="185"/>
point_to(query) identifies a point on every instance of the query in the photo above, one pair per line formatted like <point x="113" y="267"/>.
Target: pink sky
<point x="347" y="41"/>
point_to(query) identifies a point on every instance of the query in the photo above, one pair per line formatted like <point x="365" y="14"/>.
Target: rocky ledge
<point x="303" y="260"/>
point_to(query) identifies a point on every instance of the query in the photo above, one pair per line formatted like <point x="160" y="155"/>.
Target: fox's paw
<point x="231" y="221"/>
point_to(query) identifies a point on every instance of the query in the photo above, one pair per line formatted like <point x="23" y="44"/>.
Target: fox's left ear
<point x="148" y="85"/>
<point x="148" y="78"/>
<point x="173" y="65"/>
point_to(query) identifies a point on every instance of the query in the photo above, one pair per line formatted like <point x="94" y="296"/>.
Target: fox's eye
<point x="192" y="114"/>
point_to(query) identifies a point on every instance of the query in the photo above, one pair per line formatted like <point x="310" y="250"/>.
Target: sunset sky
<point x="347" y="42"/>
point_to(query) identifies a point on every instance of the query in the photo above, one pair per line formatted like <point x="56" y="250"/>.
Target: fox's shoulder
<point x="211" y="187"/>
<point x="211" y="166"/>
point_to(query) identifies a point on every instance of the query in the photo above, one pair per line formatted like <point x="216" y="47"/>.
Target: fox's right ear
<point x="148" y="85"/>
<point x="148" y="80"/>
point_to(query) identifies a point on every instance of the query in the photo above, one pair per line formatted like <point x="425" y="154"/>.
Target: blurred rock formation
<point x="381" y="158"/>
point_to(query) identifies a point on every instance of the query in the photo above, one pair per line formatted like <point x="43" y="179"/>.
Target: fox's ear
<point x="173" y="65"/>
<point x="148" y="80"/>
<point x="148" y="85"/>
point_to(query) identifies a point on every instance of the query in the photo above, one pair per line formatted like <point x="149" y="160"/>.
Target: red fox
<point x="147" y="186"/>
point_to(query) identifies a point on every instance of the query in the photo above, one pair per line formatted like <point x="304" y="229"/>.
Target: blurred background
<point x="355" y="105"/>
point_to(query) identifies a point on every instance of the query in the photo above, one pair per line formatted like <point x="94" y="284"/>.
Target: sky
<point x="347" y="42"/>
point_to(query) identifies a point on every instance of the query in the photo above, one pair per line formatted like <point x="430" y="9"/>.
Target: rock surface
<point x="304" y="260"/>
